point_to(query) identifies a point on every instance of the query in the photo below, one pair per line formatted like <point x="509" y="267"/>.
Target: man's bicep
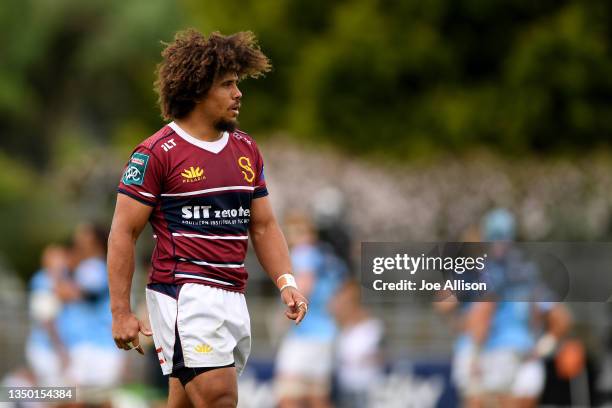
<point x="130" y="215"/>
<point x="261" y="213"/>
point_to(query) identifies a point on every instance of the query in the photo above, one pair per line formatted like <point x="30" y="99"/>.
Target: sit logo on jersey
<point x="136" y="169"/>
<point x="247" y="171"/>
<point x="193" y="174"/>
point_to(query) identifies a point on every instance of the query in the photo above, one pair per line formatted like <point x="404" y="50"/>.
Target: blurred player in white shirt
<point x="359" y="360"/>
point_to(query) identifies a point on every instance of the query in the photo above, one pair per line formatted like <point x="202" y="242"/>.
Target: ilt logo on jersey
<point x="193" y="174"/>
<point x="247" y="171"/>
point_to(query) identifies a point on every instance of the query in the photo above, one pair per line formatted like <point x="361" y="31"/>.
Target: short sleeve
<point x="90" y="275"/>
<point x="305" y="259"/>
<point x="40" y="282"/>
<point x="260" y="180"/>
<point x="142" y="177"/>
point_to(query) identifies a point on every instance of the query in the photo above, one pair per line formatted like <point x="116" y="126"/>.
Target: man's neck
<point x="199" y="129"/>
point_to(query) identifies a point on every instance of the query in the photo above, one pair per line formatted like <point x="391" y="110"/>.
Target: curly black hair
<point x="192" y="62"/>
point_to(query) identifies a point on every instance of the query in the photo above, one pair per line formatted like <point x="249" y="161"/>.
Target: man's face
<point x="221" y="105"/>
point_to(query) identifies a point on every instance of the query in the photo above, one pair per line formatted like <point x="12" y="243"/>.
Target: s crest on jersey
<point x="136" y="169"/>
<point x="247" y="171"/>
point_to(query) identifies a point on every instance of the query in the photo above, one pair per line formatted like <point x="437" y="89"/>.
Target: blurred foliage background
<point x="387" y="81"/>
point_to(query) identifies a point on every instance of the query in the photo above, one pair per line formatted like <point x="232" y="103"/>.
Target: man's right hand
<point x="297" y="305"/>
<point x="126" y="327"/>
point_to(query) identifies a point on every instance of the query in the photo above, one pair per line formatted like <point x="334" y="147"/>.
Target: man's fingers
<point x="298" y="312"/>
<point x="144" y="329"/>
<point x="122" y="344"/>
<point x="300" y="316"/>
<point x="302" y="309"/>
<point x="134" y="345"/>
<point x="126" y="329"/>
<point x="297" y="316"/>
<point x="129" y="345"/>
<point x="297" y="306"/>
<point x="291" y="315"/>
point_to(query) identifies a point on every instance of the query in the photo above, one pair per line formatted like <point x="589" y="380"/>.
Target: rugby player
<point x="200" y="183"/>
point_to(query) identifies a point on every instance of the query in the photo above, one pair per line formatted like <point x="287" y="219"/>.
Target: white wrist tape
<point x="286" y="280"/>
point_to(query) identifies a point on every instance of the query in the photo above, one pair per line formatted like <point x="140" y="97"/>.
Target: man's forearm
<point x="273" y="254"/>
<point x="56" y="342"/>
<point x="479" y="321"/>
<point x="120" y="270"/>
<point x="271" y="249"/>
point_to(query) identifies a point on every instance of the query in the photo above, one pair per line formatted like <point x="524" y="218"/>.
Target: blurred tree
<point x="410" y="77"/>
<point x="369" y="75"/>
<point x="73" y="75"/>
<point x="86" y="66"/>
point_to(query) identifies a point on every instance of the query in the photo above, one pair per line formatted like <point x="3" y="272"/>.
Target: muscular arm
<point x="478" y="322"/>
<point x="559" y="321"/>
<point x="129" y="220"/>
<point x="273" y="254"/>
<point x="56" y="342"/>
<point x="268" y="239"/>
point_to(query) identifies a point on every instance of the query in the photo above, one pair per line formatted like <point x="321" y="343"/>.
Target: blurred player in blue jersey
<point x="304" y="361"/>
<point x="500" y="360"/>
<point x="47" y="355"/>
<point x="84" y="323"/>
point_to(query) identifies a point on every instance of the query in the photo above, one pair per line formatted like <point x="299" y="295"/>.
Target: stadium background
<point x="422" y="115"/>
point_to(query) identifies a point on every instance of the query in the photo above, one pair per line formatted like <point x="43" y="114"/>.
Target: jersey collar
<point x="213" y="147"/>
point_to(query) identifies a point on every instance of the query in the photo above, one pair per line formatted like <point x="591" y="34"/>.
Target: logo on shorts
<point x="192" y="174"/>
<point x="247" y="171"/>
<point x="203" y="348"/>
<point x="135" y="171"/>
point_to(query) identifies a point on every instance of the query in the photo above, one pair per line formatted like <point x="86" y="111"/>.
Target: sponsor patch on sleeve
<point x="135" y="171"/>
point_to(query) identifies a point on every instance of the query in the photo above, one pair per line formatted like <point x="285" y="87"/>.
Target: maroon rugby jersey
<point x="201" y="193"/>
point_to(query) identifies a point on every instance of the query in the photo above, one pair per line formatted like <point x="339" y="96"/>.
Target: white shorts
<point x="306" y="358"/>
<point x="95" y="366"/>
<point x="303" y="367"/>
<point x="500" y="372"/>
<point x="530" y="379"/>
<point x="195" y="326"/>
<point x="46" y="365"/>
